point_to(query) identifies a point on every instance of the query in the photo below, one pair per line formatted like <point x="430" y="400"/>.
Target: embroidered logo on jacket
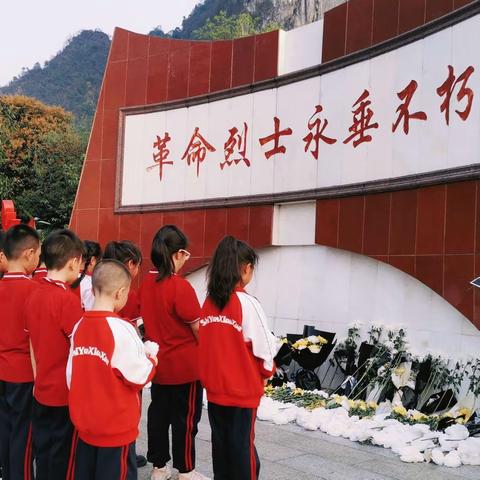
<point x="220" y="319"/>
<point x="93" y="351"/>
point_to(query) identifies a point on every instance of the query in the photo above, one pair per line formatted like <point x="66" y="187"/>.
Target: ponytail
<point x="124" y="252"/>
<point x="168" y="240"/>
<point x="92" y="249"/>
<point x="224" y="269"/>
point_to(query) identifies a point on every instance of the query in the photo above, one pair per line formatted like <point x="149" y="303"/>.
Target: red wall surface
<point x="430" y="233"/>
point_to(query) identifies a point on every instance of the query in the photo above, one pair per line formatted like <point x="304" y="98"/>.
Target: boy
<point x="22" y="249"/>
<point x="107" y="367"/>
<point x="52" y="311"/>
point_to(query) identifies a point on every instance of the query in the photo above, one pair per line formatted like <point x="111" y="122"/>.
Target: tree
<point x="40" y="159"/>
<point x="223" y="26"/>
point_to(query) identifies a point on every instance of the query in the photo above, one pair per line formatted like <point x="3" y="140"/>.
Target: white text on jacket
<point x="94" y="351"/>
<point x="220" y="319"/>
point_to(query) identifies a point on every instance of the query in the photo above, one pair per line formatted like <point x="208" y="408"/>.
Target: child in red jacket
<point x="236" y="357"/>
<point x="108" y="366"/>
<point x="52" y="311"/>
<point x="130" y="255"/>
<point x="170" y="312"/>
<point x="22" y="249"/>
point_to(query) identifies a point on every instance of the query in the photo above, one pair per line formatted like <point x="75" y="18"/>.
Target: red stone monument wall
<point x="430" y="233"/>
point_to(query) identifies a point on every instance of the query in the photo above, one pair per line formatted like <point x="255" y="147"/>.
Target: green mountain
<point x="71" y="79"/>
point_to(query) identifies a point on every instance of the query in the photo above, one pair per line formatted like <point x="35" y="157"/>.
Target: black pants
<point x="178" y="406"/>
<point x="52" y="433"/>
<point x="15" y="431"/>
<point x="102" y="463"/>
<point x="233" y="449"/>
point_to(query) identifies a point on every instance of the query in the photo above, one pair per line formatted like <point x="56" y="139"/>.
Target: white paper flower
<point x="452" y="459"/>
<point x="314" y="348"/>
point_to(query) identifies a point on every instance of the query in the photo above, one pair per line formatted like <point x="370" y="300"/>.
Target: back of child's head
<point x="224" y="270"/>
<point x="109" y="276"/>
<point x="167" y="241"/>
<point x="92" y="250"/>
<point x="60" y="247"/>
<point x="124" y="252"/>
<point x="18" y="239"/>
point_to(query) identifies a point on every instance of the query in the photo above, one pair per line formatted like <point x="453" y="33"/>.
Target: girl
<point x="170" y="311"/>
<point x="82" y="286"/>
<point x="130" y="255"/>
<point x="236" y="359"/>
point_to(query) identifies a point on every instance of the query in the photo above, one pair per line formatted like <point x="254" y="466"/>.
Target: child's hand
<point x="151" y="350"/>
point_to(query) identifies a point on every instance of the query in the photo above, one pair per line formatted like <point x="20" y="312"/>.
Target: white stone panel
<point x="330" y="288"/>
<point x="294" y="224"/>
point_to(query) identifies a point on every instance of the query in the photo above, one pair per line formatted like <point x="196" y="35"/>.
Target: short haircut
<point x="2" y="240"/>
<point x="18" y="239"/>
<point x="110" y="275"/>
<point x="60" y="247"/>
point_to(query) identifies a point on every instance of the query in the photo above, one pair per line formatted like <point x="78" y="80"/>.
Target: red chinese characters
<point x="196" y="150"/>
<point x="275" y="138"/>
<point x="404" y="114"/>
<point x="317" y="126"/>
<point x="160" y="157"/>
<point x="362" y="116"/>
<point x="236" y="143"/>
<point x="447" y="88"/>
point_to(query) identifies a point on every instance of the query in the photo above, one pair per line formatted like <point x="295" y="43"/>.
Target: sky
<point x="35" y="30"/>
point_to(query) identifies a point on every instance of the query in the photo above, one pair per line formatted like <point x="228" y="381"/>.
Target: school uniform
<point x="131" y="310"/>
<point x="39" y="274"/>
<point x="52" y="311"/>
<point x="16" y="379"/>
<point x="107" y="367"/>
<point x="236" y="356"/>
<point x="168" y="309"/>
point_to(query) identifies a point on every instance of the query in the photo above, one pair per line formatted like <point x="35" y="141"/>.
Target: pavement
<point x="290" y="452"/>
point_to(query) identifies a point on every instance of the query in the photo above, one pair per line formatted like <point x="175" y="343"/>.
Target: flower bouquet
<point x="306" y="351"/>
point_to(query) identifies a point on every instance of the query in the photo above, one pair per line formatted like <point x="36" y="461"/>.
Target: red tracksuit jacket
<point x="236" y="351"/>
<point x="107" y="367"/>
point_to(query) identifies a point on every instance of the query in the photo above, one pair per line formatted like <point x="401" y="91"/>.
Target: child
<point x="130" y="255"/>
<point x="3" y="258"/>
<point x="52" y="311"/>
<point x="170" y="312"/>
<point x="107" y="366"/>
<point x="236" y="358"/>
<point x="22" y="249"/>
<point x="82" y="286"/>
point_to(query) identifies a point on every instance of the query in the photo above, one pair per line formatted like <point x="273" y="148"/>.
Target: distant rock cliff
<point x="290" y="13"/>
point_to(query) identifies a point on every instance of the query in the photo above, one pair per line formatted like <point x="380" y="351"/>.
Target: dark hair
<point x="123" y="251"/>
<point x="108" y="274"/>
<point x="18" y="239"/>
<point x="167" y="241"/>
<point x="224" y="269"/>
<point x="60" y="247"/>
<point x="91" y="249"/>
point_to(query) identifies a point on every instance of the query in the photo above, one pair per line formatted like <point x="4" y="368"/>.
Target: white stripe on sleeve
<point x="255" y="330"/>
<point x="129" y="355"/>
